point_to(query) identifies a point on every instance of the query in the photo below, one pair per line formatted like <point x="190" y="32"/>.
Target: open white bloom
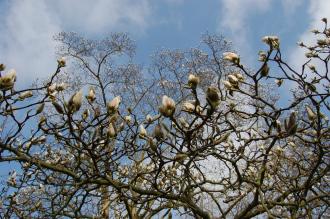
<point x="7" y="81"/>
<point x="168" y="106"/>
<point x="113" y="105"/>
<point x="232" y="57"/>
<point x="239" y="76"/>
<point x="272" y="41"/>
<point x="193" y="80"/>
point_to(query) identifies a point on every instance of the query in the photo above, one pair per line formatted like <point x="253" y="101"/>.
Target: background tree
<point x="199" y="135"/>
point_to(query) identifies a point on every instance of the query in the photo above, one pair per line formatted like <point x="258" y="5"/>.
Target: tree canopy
<point x="197" y="134"/>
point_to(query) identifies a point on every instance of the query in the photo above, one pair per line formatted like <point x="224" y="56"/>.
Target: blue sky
<point x="27" y="26"/>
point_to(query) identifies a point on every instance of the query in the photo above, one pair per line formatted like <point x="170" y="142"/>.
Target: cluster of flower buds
<point x="272" y="41"/>
<point x="190" y="106"/>
<point x="231" y="57"/>
<point x="167" y="107"/>
<point x="7" y="81"/>
<point x="54" y="88"/>
<point x="233" y="81"/>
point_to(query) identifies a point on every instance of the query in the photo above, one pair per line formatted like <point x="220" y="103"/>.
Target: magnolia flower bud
<point x="61" y="87"/>
<point x="278" y="125"/>
<point x="149" y="118"/>
<point x="58" y="107"/>
<point x="228" y="85"/>
<point x="311" y="115"/>
<point x="25" y="95"/>
<point x="183" y="122"/>
<point x="188" y="107"/>
<point x="264" y="70"/>
<point x="75" y="101"/>
<point x="7" y="81"/>
<point x="239" y="76"/>
<point x="272" y="41"/>
<point x="91" y="95"/>
<point x="232" y="79"/>
<point x="212" y="96"/>
<point x="231" y="57"/>
<point x="61" y="62"/>
<point x="128" y="119"/>
<point x="193" y="81"/>
<point x="2" y="67"/>
<point x="111" y="131"/>
<point x="279" y="82"/>
<point x="113" y="105"/>
<point x="158" y="132"/>
<point x="40" y="108"/>
<point x="85" y="114"/>
<point x="291" y="125"/>
<point x="51" y="88"/>
<point x="262" y="56"/>
<point x="143" y="131"/>
<point x="325" y="20"/>
<point x="168" y="106"/>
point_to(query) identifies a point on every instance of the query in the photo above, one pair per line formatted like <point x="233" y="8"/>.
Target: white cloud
<point x="318" y="9"/>
<point x="26" y="42"/>
<point x="234" y="18"/>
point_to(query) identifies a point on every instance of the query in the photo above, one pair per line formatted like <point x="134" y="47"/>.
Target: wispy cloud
<point x="318" y="9"/>
<point x="27" y="28"/>
<point x="234" y="16"/>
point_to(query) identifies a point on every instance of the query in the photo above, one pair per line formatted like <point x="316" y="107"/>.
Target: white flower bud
<point x="143" y="131"/>
<point x="75" y="101"/>
<point x="113" y="105"/>
<point x="311" y="115"/>
<point x="61" y="62"/>
<point x="231" y="57"/>
<point x="91" y="95"/>
<point x="193" y="81"/>
<point x="212" y="96"/>
<point x="7" y="81"/>
<point x="111" y="130"/>
<point x="25" y="95"/>
<point x="168" y="106"/>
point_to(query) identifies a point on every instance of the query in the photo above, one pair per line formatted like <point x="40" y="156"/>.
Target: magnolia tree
<point x="199" y="135"/>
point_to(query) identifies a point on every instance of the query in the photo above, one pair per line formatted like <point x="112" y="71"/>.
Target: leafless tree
<point x="195" y="135"/>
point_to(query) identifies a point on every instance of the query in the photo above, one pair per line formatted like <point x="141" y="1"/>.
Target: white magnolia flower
<point x="232" y="57"/>
<point x="113" y="105"/>
<point x="7" y="81"/>
<point x="168" y="106"/>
